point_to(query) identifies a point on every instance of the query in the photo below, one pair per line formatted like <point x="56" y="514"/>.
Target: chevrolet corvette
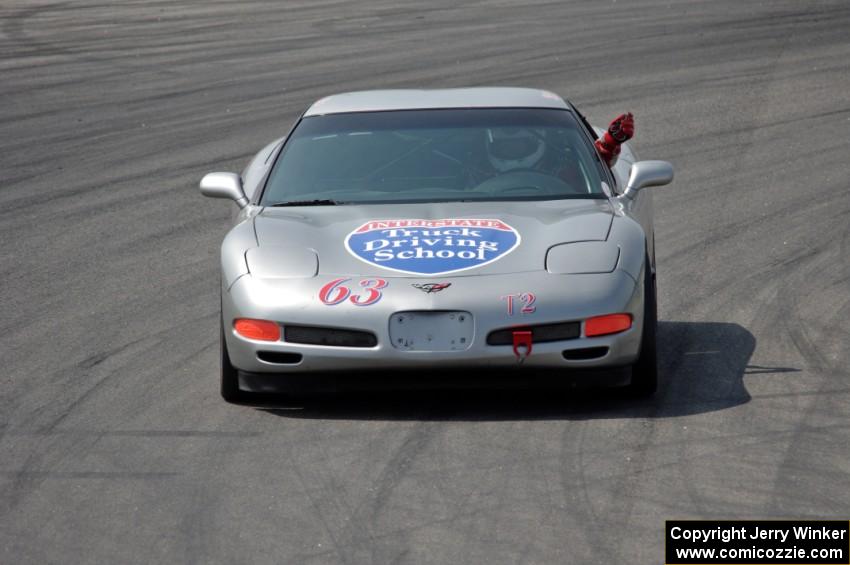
<point x="454" y="228"/>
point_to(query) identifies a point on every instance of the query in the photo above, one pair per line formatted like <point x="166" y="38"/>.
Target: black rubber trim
<point x="331" y="337"/>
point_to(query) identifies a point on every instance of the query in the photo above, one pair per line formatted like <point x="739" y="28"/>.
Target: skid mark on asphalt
<point x="354" y="530"/>
<point x="598" y="515"/>
<point x="59" y="475"/>
<point x="211" y="434"/>
<point x="51" y="449"/>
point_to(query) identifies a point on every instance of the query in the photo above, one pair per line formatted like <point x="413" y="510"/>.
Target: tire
<point x="229" y="375"/>
<point x="645" y="369"/>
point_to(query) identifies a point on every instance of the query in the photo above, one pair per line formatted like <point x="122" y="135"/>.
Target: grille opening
<point x="332" y="337"/>
<point x="279" y="358"/>
<point x="542" y="333"/>
<point x="585" y="353"/>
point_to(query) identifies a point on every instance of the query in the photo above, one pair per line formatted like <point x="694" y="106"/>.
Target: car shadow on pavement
<point x="701" y="369"/>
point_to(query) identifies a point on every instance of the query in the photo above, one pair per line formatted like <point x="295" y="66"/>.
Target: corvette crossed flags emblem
<point x="430" y="288"/>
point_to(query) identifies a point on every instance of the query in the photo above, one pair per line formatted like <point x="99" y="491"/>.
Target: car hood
<point x="433" y="239"/>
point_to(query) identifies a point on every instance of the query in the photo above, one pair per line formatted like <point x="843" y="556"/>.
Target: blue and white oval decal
<point x="432" y="247"/>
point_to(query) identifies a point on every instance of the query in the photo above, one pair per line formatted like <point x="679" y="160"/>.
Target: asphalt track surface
<point x="114" y="444"/>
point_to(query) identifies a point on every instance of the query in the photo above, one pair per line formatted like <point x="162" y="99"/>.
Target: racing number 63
<point x="335" y="292"/>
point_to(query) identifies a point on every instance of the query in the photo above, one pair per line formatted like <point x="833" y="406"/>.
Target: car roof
<point x="409" y="99"/>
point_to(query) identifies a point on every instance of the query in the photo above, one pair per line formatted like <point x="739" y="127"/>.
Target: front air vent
<point x="330" y="337"/>
<point x="542" y="333"/>
<point x="585" y="353"/>
<point x="279" y="358"/>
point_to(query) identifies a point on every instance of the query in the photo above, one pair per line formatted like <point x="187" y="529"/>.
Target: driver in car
<point x="512" y="149"/>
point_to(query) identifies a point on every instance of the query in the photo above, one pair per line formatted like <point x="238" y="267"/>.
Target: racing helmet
<point x="514" y="148"/>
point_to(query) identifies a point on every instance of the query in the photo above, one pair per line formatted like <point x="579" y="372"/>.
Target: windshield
<point x="434" y="156"/>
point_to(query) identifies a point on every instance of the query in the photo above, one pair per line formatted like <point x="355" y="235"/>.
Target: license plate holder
<point x="431" y="331"/>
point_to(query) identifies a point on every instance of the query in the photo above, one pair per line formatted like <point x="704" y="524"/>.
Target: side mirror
<point x="224" y="185"/>
<point x="648" y="173"/>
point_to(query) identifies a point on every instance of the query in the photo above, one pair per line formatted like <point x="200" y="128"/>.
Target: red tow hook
<point x="522" y="344"/>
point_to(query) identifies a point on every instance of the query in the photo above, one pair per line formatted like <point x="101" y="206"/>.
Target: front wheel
<point x="645" y="369"/>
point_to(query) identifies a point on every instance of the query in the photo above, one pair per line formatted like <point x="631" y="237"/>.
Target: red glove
<point x="621" y="130"/>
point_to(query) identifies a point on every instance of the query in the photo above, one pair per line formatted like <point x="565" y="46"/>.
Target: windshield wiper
<point x="318" y="202"/>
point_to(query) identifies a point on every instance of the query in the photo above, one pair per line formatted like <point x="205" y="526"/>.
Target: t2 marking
<point x="527" y="299"/>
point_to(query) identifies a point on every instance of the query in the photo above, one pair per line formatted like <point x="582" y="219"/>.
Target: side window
<point x="616" y="188"/>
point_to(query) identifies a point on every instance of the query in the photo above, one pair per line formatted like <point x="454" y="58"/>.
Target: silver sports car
<point x="437" y="229"/>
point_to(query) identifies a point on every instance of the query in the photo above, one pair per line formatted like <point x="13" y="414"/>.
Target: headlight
<point x="584" y="257"/>
<point x="277" y="262"/>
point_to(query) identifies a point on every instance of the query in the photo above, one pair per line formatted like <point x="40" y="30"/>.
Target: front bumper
<point x="558" y="298"/>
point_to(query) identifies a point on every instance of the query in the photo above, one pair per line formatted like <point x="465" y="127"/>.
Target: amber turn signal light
<point x="262" y="330"/>
<point x="608" y="324"/>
